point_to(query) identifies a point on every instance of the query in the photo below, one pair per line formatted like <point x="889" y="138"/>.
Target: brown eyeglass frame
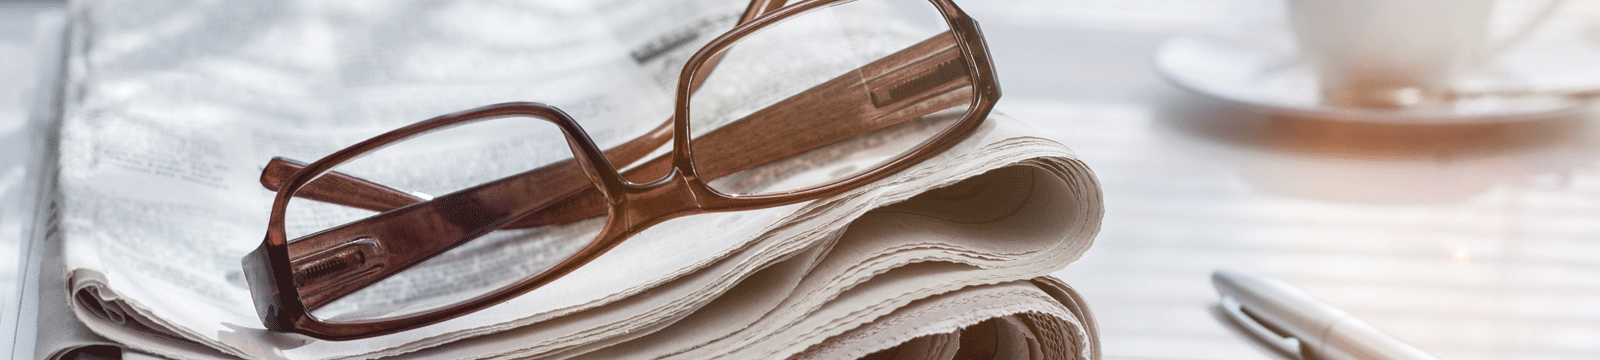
<point x="632" y="207"/>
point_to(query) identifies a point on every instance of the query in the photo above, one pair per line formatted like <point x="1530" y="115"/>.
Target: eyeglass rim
<point x="277" y="299"/>
<point x="286" y="312"/>
<point x="980" y="68"/>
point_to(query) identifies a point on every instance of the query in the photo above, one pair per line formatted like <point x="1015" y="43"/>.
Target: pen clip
<point x="1287" y="344"/>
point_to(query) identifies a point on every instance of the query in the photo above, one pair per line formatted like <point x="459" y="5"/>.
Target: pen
<point x="1300" y="325"/>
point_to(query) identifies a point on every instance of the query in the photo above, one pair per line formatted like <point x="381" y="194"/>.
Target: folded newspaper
<point x="171" y="109"/>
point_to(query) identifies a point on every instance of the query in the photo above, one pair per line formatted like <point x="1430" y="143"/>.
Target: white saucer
<point x="1257" y="67"/>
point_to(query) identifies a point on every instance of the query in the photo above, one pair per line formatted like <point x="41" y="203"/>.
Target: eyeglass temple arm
<point x="738" y="146"/>
<point x="343" y="189"/>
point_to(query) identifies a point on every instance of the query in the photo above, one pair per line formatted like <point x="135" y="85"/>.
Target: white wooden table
<point x="1471" y="242"/>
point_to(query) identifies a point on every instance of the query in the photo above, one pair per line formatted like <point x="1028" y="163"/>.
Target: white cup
<point x="1395" y="53"/>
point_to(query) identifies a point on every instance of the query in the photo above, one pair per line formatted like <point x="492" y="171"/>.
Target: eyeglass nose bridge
<point x="641" y="205"/>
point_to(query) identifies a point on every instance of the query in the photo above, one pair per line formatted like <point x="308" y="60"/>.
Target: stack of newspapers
<point x="171" y="109"/>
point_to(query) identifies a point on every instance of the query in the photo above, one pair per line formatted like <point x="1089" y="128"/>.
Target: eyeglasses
<point x="746" y="136"/>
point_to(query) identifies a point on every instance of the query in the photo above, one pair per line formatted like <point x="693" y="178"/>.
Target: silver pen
<point x="1300" y="325"/>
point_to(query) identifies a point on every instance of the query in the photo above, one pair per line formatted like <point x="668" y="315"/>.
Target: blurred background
<point x="17" y="78"/>
<point x="1471" y="236"/>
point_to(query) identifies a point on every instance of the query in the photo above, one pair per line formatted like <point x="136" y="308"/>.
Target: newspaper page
<point x="1036" y="319"/>
<point x="1001" y="225"/>
<point x="176" y="106"/>
<point x="856" y="261"/>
